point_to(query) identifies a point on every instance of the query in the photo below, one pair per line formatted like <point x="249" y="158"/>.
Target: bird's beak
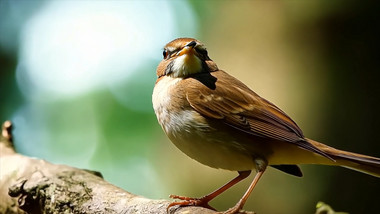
<point x="188" y="49"/>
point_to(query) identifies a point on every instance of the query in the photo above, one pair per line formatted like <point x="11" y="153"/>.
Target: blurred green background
<point x="77" y="77"/>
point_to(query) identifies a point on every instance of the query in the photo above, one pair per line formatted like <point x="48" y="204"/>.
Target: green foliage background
<point x="317" y="60"/>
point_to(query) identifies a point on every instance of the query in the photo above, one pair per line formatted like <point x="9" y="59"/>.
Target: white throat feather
<point x="185" y="65"/>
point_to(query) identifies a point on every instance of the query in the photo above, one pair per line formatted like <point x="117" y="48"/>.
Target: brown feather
<point x="241" y="108"/>
<point x="358" y="162"/>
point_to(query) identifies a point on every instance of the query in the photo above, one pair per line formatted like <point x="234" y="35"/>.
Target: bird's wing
<point x="241" y="108"/>
<point x="232" y="102"/>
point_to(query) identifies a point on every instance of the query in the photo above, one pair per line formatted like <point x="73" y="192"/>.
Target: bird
<point x="217" y="120"/>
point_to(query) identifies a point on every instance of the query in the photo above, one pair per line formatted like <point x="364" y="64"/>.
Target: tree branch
<point x="30" y="185"/>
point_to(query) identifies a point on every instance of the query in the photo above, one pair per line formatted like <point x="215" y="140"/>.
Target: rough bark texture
<point x="29" y="185"/>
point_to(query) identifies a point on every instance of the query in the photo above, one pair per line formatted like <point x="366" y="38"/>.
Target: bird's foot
<point x="187" y="201"/>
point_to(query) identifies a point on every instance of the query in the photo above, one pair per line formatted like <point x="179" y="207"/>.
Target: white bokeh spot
<point x="72" y="47"/>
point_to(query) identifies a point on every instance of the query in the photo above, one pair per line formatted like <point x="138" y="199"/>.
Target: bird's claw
<point x="187" y="201"/>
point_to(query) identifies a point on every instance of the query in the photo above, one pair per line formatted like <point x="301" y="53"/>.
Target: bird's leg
<point x="203" y="201"/>
<point x="261" y="165"/>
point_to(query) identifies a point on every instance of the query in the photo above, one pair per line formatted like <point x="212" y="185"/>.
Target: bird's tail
<point x="362" y="163"/>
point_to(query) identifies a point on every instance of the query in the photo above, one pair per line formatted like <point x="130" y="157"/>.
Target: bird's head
<point x="184" y="57"/>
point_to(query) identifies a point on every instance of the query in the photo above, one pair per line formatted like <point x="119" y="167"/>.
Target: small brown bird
<point x="217" y="120"/>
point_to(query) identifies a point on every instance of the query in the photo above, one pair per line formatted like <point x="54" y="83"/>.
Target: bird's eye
<point x="165" y="53"/>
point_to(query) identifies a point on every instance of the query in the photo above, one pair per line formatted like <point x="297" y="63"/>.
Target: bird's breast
<point x="172" y="109"/>
<point x="192" y="133"/>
